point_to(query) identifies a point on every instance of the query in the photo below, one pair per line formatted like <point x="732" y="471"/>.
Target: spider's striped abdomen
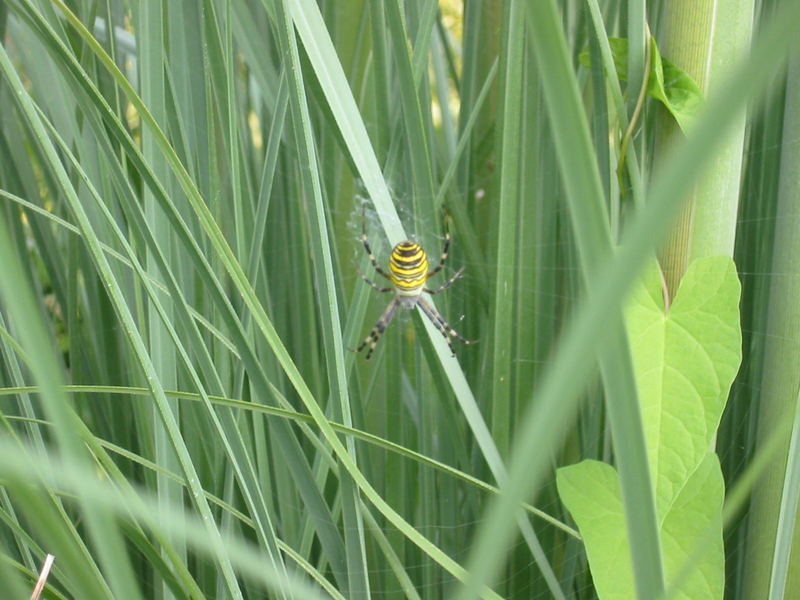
<point x="408" y="268"/>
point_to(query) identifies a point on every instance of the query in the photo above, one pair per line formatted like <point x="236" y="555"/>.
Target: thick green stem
<point x="704" y="38"/>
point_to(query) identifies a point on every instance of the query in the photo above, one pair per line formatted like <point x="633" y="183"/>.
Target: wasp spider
<point x="408" y="273"/>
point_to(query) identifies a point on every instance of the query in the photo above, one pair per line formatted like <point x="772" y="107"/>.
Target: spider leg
<point x="379" y="328"/>
<point x="365" y="241"/>
<point x="442" y="325"/>
<point x="372" y="283"/>
<point x="443" y="257"/>
<point x="446" y="284"/>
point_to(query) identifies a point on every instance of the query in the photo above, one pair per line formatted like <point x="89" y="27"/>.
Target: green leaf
<point x="695" y="520"/>
<point x="590" y="490"/>
<point x="685" y="359"/>
<point x="667" y="82"/>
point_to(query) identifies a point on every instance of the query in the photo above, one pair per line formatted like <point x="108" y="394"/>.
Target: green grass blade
<point x="505" y="271"/>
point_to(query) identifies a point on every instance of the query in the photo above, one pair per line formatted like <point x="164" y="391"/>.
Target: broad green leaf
<point x="667" y="82"/>
<point x="590" y="491"/>
<point x="685" y="359"/>
<point x="695" y="520"/>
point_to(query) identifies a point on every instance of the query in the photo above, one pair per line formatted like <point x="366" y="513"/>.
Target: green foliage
<point x="181" y="191"/>
<point x="666" y="82"/>
<point x="685" y="358"/>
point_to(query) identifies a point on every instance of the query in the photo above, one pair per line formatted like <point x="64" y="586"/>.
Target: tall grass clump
<point x="186" y="188"/>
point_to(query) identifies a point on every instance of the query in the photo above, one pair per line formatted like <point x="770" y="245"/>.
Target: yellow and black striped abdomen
<point x="408" y="268"/>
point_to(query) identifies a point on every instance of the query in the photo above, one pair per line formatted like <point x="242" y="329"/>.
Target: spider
<point x="408" y="273"/>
